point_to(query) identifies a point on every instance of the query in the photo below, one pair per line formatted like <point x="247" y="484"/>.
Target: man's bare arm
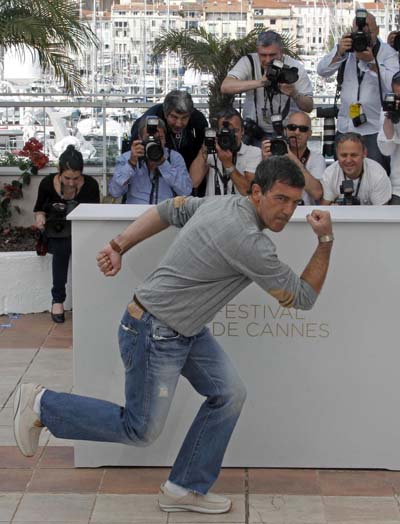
<point x="316" y="270"/>
<point x="233" y="86"/>
<point x="147" y="225"/>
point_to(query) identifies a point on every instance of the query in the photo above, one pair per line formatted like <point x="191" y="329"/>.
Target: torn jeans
<point x="154" y="357"/>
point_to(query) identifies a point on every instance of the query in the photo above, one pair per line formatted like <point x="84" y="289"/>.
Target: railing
<point x="98" y="121"/>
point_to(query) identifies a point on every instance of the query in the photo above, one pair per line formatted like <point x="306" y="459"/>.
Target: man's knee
<point x="144" y="435"/>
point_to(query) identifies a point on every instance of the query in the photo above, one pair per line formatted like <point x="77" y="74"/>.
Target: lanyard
<point x="154" y="180"/>
<point x="360" y="77"/>
<point x="224" y="179"/>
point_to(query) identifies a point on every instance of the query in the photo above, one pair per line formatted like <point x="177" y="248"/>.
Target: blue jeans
<point x="154" y="356"/>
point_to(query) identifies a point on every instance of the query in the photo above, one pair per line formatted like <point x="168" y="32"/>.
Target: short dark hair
<point x="277" y="169"/>
<point x="179" y="101"/>
<point x="396" y="78"/>
<point x="70" y="159"/>
<point x="228" y="113"/>
<point x="267" y="38"/>
<point x="353" y="137"/>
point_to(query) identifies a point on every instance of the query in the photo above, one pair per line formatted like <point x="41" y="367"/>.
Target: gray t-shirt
<point x="220" y="250"/>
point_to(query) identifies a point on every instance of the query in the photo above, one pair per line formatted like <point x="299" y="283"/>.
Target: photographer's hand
<point x="137" y="151"/>
<point x="265" y="149"/>
<point x="109" y="261"/>
<point x="225" y="155"/>
<point x="388" y="127"/>
<point x="343" y="47"/>
<point x="366" y="56"/>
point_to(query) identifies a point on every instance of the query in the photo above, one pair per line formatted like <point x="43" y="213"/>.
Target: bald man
<point x="362" y="91"/>
<point x="312" y="164"/>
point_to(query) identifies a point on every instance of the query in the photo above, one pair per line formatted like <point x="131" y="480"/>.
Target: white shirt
<point x="248" y="158"/>
<point x="374" y="189"/>
<point x="242" y="71"/>
<point x="369" y="92"/>
<point x="315" y="165"/>
<point x="391" y="147"/>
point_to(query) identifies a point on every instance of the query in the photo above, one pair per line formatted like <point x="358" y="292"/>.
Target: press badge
<point x="355" y="110"/>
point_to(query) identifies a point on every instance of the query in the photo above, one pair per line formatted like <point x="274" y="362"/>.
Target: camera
<point x="391" y="105"/>
<point x="328" y="114"/>
<point x="56" y="219"/>
<point x="279" y="144"/>
<point x="347" y="190"/>
<point x="360" y="40"/>
<point x="359" y="120"/>
<point x="210" y="138"/>
<point x="279" y="73"/>
<point x="252" y="132"/>
<point x="153" y="150"/>
<point x="226" y="138"/>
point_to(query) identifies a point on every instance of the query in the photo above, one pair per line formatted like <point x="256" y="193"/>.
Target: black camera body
<point x="359" y="120"/>
<point x="279" y="144"/>
<point x="57" y="225"/>
<point x="153" y="149"/>
<point x="210" y="140"/>
<point x="328" y="114"/>
<point x="360" y="40"/>
<point x="391" y="105"/>
<point x="347" y="189"/>
<point x="252" y="131"/>
<point x="279" y="73"/>
<point x="226" y="138"/>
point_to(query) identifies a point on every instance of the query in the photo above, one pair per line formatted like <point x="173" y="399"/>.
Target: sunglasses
<point x="293" y="127"/>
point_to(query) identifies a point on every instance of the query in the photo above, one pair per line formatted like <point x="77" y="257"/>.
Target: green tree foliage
<point x="205" y="53"/>
<point x="53" y="29"/>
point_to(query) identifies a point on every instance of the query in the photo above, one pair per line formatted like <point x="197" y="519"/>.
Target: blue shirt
<point x="143" y="187"/>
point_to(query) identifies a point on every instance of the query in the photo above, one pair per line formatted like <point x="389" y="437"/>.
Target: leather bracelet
<point x="326" y="238"/>
<point x="116" y="247"/>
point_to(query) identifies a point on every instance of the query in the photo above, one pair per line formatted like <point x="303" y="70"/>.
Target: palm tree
<point x="52" y="30"/>
<point x="206" y="53"/>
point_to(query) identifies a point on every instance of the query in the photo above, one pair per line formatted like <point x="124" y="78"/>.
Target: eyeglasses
<point x="293" y="127"/>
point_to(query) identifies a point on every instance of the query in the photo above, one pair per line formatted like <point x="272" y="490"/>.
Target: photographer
<point x="354" y="179"/>
<point x="58" y="194"/>
<point x="312" y="164"/>
<point x="225" y="161"/>
<point x="389" y="137"/>
<point x="275" y="84"/>
<point x="365" y="75"/>
<point x="150" y="173"/>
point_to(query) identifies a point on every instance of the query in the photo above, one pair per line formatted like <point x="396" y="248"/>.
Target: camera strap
<point x="268" y="95"/>
<point x="359" y="182"/>
<point x="305" y="156"/>
<point x="154" y="180"/>
<point x="224" y="179"/>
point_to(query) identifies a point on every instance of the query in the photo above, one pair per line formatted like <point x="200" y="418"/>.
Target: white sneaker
<point x="27" y="426"/>
<point x="209" y="503"/>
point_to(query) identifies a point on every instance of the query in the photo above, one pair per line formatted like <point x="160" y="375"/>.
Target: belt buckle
<point x="135" y="311"/>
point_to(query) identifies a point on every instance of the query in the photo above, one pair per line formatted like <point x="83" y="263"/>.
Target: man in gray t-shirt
<point x="221" y="248"/>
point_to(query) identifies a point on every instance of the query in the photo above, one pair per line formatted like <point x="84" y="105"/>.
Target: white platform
<point x="323" y="386"/>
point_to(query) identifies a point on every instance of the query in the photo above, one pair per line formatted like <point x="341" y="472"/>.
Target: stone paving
<point x="48" y="489"/>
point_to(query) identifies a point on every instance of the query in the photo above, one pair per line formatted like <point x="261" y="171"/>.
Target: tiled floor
<point x="48" y="489"/>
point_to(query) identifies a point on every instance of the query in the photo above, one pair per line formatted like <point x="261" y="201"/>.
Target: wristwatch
<point x="325" y="238"/>
<point x="229" y="170"/>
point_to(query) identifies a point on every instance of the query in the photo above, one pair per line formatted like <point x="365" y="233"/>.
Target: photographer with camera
<point x="354" y="179"/>
<point x="150" y="172"/>
<point x="389" y="136"/>
<point x="295" y="145"/>
<point x="225" y="161"/>
<point x="275" y="84"/>
<point x="58" y="194"/>
<point x="365" y="67"/>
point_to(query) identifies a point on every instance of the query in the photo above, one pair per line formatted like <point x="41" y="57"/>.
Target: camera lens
<point x="154" y="151"/>
<point x="278" y="147"/>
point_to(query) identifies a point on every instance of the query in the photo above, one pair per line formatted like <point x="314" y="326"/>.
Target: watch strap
<point x="325" y="238"/>
<point x="116" y="247"/>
